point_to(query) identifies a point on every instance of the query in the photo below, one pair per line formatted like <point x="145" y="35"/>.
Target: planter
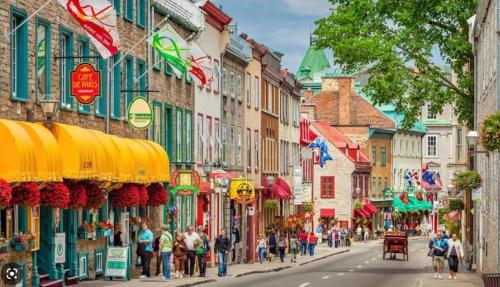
<point x="19" y="246"/>
<point x="4" y="247"/>
<point x="82" y="235"/>
<point x="104" y="233"/>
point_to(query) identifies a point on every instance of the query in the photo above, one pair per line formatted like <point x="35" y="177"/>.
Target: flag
<point x="428" y="177"/>
<point x="409" y="178"/>
<point x="98" y="19"/>
<point x="324" y="154"/>
<point x="415" y="177"/>
<point x="200" y="65"/>
<point x="171" y="47"/>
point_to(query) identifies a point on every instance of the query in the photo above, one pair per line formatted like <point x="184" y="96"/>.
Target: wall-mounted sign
<point x="140" y="114"/>
<point x="242" y="191"/>
<point x="60" y="248"/>
<point x="85" y="83"/>
<point x="297" y="185"/>
<point x="183" y="10"/>
<point x="476" y="194"/>
<point x="185" y="182"/>
<point x="117" y="262"/>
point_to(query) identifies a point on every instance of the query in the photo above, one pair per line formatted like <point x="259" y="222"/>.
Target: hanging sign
<point x="185" y="182"/>
<point x="98" y="19"/>
<point x="242" y="191"/>
<point x="85" y="83"/>
<point x="60" y="248"/>
<point x="476" y="194"/>
<point x="140" y="114"/>
<point x="117" y="262"/>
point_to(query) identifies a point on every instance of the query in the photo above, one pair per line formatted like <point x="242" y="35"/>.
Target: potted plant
<point x="358" y="204"/>
<point x="55" y="194"/>
<point x="5" y="194"/>
<point x="307" y="207"/>
<point x="26" y="194"/>
<point x="86" y="231"/>
<point x="271" y="203"/>
<point x="467" y="180"/>
<point x="104" y="229"/>
<point x="20" y="242"/>
<point x="157" y="195"/>
<point x="490" y="132"/>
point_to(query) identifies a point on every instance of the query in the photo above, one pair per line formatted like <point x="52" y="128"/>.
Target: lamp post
<point x="49" y="109"/>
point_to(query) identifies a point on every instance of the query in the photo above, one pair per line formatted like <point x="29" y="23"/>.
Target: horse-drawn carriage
<point x="396" y="242"/>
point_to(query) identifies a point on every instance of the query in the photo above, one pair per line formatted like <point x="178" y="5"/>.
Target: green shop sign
<point x="140" y="114"/>
<point x="388" y="192"/>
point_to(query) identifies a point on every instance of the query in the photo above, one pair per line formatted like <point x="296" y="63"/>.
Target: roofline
<point x="217" y="18"/>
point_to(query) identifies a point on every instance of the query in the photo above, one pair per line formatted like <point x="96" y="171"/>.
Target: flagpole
<point x="7" y="35"/>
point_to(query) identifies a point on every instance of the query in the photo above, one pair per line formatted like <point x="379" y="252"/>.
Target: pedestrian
<point x="261" y="248"/>
<point x="359" y="233"/>
<point x="117" y="238"/>
<point x="180" y="255"/>
<point x="165" y="248"/>
<point x="319" y="233"/>
<point x="202" y="248"/>
<point x="222" y="247"/>
<point x="438" y="248"/>
<point x="445" y="235"/>
<point x="348" y="235"/>
<point x="146" y="241"/>
<point x="303" y="242"/>
<point x="282" y="245"/>
<point x="367" y="233"/>
<point x="294" y="247"/>
<point x="157" y="253"/>
<point x="455" y="253"/>
<point x="272" y="243"/>
<point x="329" y="237"/>
<point x="312" y="241"/>
<point x="190" y="238"/>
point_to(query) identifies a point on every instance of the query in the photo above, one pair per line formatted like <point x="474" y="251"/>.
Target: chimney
<point x="345" y="100"/>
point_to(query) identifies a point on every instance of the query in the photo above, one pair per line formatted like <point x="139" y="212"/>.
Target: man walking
<point x="191" y="238"/>
<point x="439" y="247"/>
<point x="303" y="242"/>
<point x="221" y="248"/>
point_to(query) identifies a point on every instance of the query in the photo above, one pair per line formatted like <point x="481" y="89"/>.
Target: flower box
<point x="19" y="246"/>
<point x="4" y="247"/>
<point x="104" y="233"/>
<point x="82" y="235"/>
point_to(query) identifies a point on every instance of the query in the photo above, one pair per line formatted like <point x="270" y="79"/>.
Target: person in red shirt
<point x="312" y="240"/>
<point x="303" y="242"/>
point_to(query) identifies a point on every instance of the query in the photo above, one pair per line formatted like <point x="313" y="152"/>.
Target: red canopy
<point x="205" y="187"/>
<point x="327" y="212"/>
<point x="452" y="216"/>
<point x="369" y="208"/>
<point x="360" y="213"/>
<point x="279" y="190"/>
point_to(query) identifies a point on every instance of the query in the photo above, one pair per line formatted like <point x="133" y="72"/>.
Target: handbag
<point x="431" y="252"/>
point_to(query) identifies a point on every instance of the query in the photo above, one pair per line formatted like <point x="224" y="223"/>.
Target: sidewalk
<point x="236" y="270"/>
<point x="464" y="279"/>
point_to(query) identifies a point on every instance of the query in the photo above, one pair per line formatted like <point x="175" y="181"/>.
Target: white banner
<point x="184" y="10"/>
<point x="297" y="185"/>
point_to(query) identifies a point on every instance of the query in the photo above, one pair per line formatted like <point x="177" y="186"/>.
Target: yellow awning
<point x="161" y="160"/>
<point x="28" y="152"/>
<point x="125" y="161"/>
<point x="143" y="162"/>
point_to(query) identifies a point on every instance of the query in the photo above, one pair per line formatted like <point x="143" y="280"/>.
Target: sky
<point x="283" y="25"/>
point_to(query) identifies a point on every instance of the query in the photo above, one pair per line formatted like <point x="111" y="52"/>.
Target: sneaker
<point x="164" y="278"/>
<point x="449" y="276"/>
<point x="142" y="277"/>
<point x="455" y="278"/>
<point x="440" y="277"/>
<point x="435" y="275"/>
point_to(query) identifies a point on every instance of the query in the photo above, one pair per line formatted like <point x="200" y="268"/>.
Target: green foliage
<point x="490" y="132"/>
<point x="358" y="204"/>
<point x="441" y="213"/>
<point x="395" y="40"/>
<point x="271" y="203"/>
<point x="467" y="180"/>
<point x="307" y="206"/>
<point x="453" y="227"/>
<point x="456" y="205"/>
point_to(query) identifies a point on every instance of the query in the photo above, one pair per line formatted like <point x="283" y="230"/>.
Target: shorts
<point x="438" y="262"/>
<point x="272" y="250"/>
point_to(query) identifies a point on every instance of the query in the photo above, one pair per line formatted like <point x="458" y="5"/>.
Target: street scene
<point x="250" y="143"/>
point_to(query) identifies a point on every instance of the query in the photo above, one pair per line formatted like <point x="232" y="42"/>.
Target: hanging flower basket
<point x="358" y="204"/>
<point x="55" y="195"/>
<point x="78" y="195"/>
<point x="490" y="132"/>
<point x="26" y="194"/>
<point x="172" y="210"/>
<point x="86" y="231"/>
<point x="5" y="194"/>
<point x="271" y="203"/>
<point x="127" y="196"/>
<point x="467" y="180"/>
<point x="307" y="206"/>
<point x="95" y="196"/>
<point x="157" y="195"/>
<point x="143" y="194"/>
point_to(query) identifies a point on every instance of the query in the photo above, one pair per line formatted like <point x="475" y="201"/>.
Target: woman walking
<point x="282" y="245"/>
<point x="312" y="240"/>
<point x="455" y="253"/>
<point x="294" y="247"/>
<point x="180" y="254"/>
<point x="272" y="247"/>
<point x="261" y="248"/>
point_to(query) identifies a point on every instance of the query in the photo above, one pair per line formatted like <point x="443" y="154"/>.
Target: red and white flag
<point x="98" y="19"/>
<point x="200" y="65"/>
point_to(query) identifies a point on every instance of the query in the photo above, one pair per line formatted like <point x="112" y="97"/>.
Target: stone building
<point x="486" y="101"/>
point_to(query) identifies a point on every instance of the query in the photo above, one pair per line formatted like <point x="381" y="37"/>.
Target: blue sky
<point x="283" y="25"/>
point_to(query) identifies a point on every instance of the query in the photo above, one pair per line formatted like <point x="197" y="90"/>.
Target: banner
<point x="98" y="19"/>
<point x="171" y="47"/>
<point x="117" y="262"/>
<point x="85" y="83"/>
<point x="242" y="191"/>
<point x="200" y="65"/>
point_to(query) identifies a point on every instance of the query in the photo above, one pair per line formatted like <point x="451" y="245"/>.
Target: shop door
<point x="70" y="227"/>
<point x="46" y="253"/>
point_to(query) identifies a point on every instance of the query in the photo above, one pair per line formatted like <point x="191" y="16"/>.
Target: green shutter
<point x="129" y="74"/>
<point x="100" y="103"/>
<point x="116" y="87"/>
<point x="21" y="54"/>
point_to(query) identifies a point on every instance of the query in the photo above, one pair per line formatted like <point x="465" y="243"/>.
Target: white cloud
<point x="308" y="7"/>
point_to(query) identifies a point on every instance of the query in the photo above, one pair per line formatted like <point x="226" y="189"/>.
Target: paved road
<point x="362" y="267"/>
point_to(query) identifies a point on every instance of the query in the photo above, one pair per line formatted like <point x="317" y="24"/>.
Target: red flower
<point x="95" y="196"/>
<point x="143" y="194"/>
<point x="403" y="198"/>
<point x="78" y="195"/>
<point x="56" y="195"/>
<point x="5" y="193"/>
<point x="127" y="196"/>
<point x="26" y="194"/>
<point x="157" y="195"/>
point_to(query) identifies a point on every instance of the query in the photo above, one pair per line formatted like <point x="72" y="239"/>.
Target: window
<point x="19" y="57"/>
<point x="224" y="81"/>
<point x="248" y="88"/>
<point x="157" y="123"/>
<point x="239" y="87"/>
<point x="328" y="187"/>
<point x="83" y="51"/>
<point x="379" y="185"/>
<point x="129" y="81"/>
<point x="65" y="67"/>
<point x="374" y="184"/>
<point x="208" y="139"/>
<point x="141" y="70"/>
<point x="141" y="13"/>
<point x="128" y="10"/>
<point x="249" y="149"/>
<point x="459" y="147"/>
<point x="270" y="98"/>
<point x="374" y="155"/>
<point x="412" y="148"/>
<point x="178" y="135"/>
<point x="43" y="60"/>
<point x="256" y="91"/>
<point x="238" y="150"/>
<point x="383" y="158"/>
<point x="431" y="146"/>
<point x="256" y="147"/>
<point x="200" y="137"/>
<point x="116" y="88"/>
<point x="430" y="114"/>
<point x="116" y="4"/>
<point x="224" y="143"/>
<point x="216" y="77"/>
<point x="189" y="136"/>
<point x="231" y="85"/>
<point x="209" y="80"/>
<point x="386" y="184"/>
<point x="407" y="150"/>
<point x="217" y="143"/>
<point x="169" y="127"/>
<point x="100" y="104"/>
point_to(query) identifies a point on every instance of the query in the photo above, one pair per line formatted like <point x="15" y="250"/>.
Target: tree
<point x="395" y="40"/>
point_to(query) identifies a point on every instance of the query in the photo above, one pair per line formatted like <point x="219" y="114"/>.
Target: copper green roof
<point x="314" y="61"/>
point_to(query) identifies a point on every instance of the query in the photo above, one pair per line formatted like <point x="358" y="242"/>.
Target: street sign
<point x="124" y="222"/>
<point x="60" y="248"/>
<point x="117" y="262"/>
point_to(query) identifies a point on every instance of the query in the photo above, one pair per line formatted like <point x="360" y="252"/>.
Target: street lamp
<point x="49" y="109"/>
<point x="271" y="180"/>
<point x="473" y="139"/>
<point x="357" y="191"/>
<point x="207" y="168"/>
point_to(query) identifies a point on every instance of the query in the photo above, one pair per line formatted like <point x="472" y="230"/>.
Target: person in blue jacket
<point x="146" y="245"/>
<point x="439" y="245"/>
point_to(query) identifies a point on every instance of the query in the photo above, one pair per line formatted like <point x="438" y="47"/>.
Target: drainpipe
<point x="498" y="108"/>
